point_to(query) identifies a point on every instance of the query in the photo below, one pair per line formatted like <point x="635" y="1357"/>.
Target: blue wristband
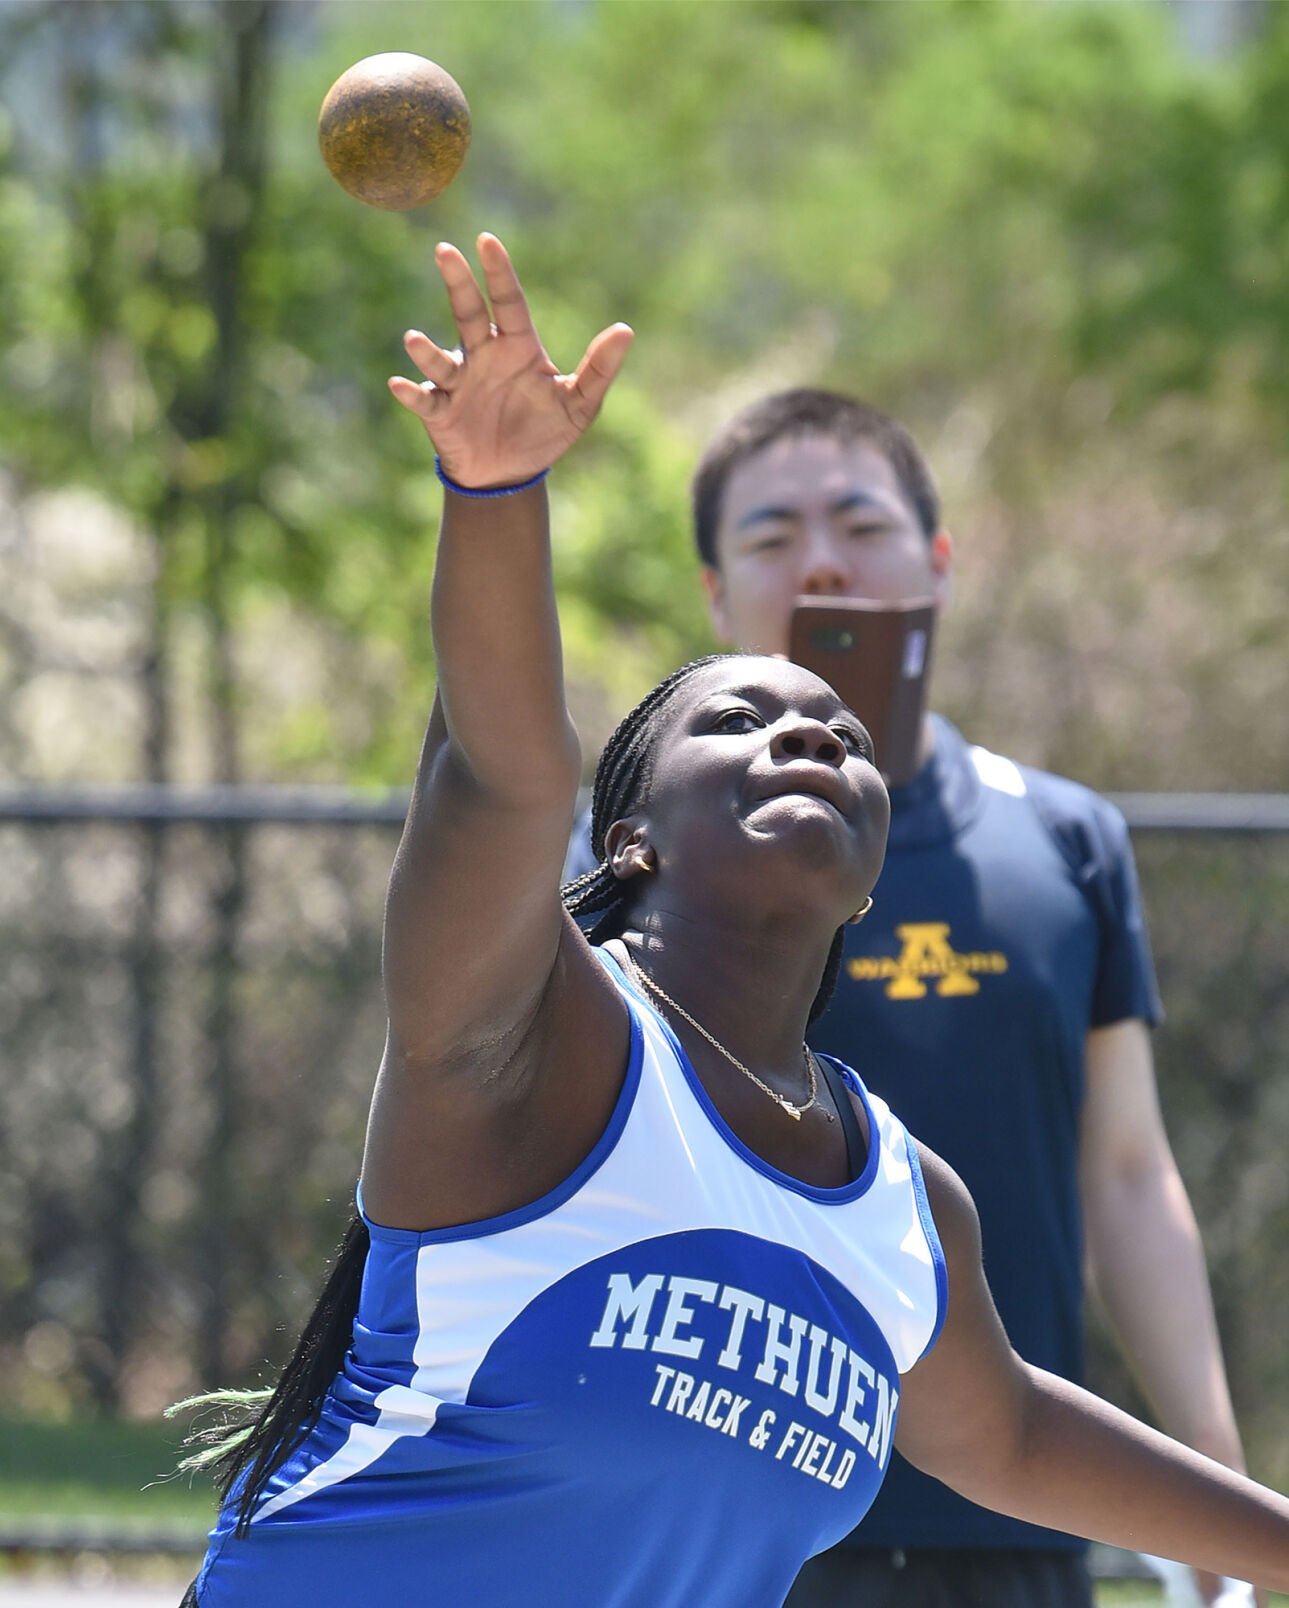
<point x="493" y="491"/>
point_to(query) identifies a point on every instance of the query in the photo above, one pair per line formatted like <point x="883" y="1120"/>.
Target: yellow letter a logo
<point x="927" y="952"/>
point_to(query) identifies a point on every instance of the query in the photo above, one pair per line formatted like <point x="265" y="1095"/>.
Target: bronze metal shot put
<point x="394" y="130"/>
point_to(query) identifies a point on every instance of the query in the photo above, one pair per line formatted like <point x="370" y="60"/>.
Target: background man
<point x="1000" y="995"/>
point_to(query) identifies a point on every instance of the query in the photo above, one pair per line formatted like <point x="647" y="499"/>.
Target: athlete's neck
<point x="752" y="991"/>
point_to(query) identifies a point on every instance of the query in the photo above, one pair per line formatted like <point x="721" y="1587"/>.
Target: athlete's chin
<point x="805" y="833"/>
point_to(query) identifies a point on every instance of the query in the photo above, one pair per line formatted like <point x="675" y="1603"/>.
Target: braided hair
<point x="259" y="1429"/>
<point x="622" y="780"/>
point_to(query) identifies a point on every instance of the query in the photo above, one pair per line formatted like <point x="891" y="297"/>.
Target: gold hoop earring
<point x="853" y="921"/>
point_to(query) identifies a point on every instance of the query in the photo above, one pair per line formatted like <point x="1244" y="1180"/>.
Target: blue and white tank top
<point x="667" y="1382"/>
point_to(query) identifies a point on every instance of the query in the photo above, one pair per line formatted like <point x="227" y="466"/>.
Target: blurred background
<point x="1052" y="237"/>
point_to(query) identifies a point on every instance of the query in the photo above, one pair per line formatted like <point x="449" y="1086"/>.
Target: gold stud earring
<point x="853" y="921"/>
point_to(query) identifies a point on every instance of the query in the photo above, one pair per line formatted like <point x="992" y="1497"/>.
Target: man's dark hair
<point x="806" y="412"/>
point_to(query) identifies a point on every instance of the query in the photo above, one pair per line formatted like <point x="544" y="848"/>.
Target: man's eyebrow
<point x="775" y="512"/>
<point x="859" y="499"/>
<point x="767" y="511"/>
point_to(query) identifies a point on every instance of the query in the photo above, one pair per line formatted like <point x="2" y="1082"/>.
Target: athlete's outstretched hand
<point x="498" y="410"/>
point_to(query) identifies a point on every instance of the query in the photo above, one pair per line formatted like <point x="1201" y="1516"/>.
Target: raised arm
<point x="474" y="930"/>
<point x="1024" y="1442"/>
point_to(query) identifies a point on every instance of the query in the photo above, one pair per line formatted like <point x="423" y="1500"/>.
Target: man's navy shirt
<point x="1006" y="923"/>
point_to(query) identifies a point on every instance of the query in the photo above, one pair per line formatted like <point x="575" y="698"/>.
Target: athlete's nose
<point x="808" y="739"/>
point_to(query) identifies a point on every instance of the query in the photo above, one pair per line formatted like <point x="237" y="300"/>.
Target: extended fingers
<point x="600" y="366"/>
<point x="435" y="363"/>
<point x="440" y="369"/>
<point x="422" y="400"/>
<point x="509" y="304"/>
<point x="473" y="321"/>
<point x="581" y="392"/>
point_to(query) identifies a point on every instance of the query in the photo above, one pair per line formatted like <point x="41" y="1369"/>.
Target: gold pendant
<point x="790" y="1109"/>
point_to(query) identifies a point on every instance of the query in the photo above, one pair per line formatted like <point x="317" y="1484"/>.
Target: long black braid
<point x="261" y="1428"/>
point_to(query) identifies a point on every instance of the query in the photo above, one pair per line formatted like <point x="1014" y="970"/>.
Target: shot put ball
<point x="394" y="130"/>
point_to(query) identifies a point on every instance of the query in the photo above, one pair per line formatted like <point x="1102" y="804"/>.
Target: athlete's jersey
<point x="665" y="1383"/>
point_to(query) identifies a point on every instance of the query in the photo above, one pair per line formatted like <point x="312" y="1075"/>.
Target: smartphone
<point x="877" y="656"/>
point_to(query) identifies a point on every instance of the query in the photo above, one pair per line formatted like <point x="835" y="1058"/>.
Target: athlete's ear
<point x="713" y="583"/>
<point x="627" y="849"/>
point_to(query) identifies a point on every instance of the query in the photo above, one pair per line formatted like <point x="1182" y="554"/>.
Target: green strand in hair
<point x="240" y="1411"/>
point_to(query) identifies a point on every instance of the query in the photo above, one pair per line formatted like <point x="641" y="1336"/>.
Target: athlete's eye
<point x="737" y="720"/>
<point x="856" y="741"/>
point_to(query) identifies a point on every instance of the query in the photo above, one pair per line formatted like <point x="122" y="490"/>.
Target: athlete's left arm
<point x="1015" y="1438"/>
<point x="1145" y="1259"/>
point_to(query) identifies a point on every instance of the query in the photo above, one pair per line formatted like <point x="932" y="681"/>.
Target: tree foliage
<point x="1029" y="229"/>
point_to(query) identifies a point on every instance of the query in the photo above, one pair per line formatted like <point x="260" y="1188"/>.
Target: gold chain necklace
<point x="795" y="1112"/>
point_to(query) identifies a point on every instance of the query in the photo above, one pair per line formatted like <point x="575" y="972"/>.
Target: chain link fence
<point x="191" y="1016"/>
